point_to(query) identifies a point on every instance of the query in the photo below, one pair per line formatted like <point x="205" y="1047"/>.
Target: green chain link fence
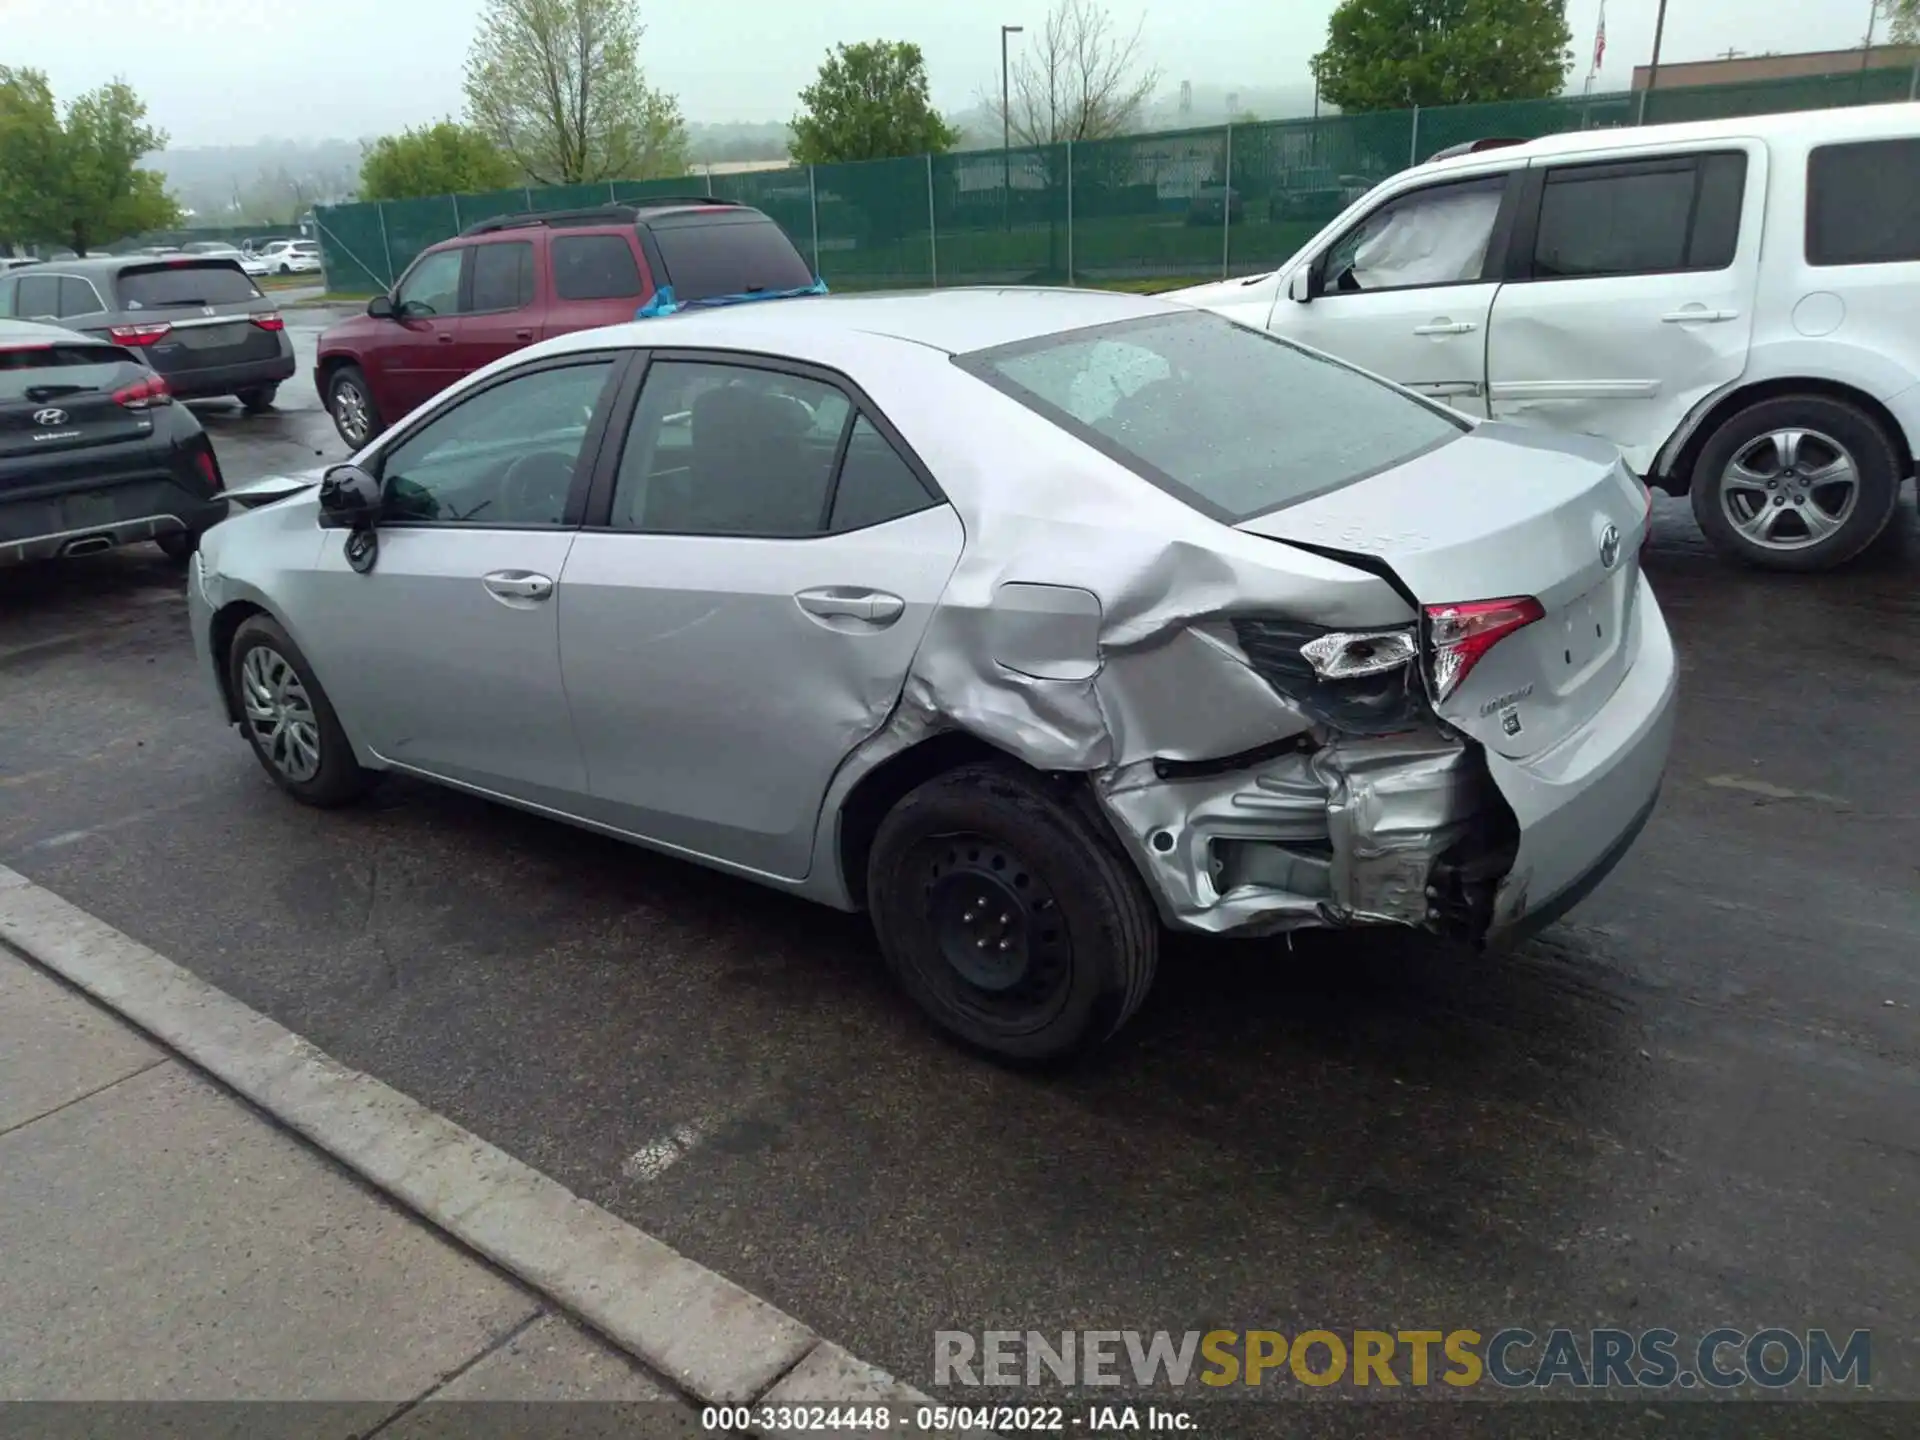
<point x="1185" y="204"/>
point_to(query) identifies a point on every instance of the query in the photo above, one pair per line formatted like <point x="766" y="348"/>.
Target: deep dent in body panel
<point x="1339" y="829"/>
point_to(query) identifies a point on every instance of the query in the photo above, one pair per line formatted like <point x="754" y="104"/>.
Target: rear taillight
<point x="270" y="321"/>
<point x="139" y="334"/>
<point x="144" y="393"/>
<point x="1458" y="635"/>
<point x="204" y="462"/>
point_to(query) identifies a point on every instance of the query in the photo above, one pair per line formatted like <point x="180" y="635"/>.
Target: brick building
<point x="1742" y="69"/>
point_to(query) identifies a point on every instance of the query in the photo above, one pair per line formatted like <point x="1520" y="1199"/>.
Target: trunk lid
<point x="58" y="396"/>
<point x="1502" y="512"/>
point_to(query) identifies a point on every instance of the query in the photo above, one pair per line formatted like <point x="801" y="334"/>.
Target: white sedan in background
<point x="292" y="257"/>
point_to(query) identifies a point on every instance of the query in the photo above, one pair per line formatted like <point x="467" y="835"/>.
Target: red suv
<point x="510" y="281"/>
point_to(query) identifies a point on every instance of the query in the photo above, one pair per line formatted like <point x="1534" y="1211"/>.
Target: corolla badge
<point x="50" y="416"/>
<point x="1609" y="546"/>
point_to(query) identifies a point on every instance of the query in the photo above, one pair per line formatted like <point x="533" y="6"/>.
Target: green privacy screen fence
<point x="1236" y="199"/>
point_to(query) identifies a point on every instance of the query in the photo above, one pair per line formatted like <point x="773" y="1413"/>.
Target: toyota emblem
<point x="50" y="417"/>
<point x="1609" y="546"/>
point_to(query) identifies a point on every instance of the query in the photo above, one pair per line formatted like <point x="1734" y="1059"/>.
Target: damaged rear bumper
<point x="1425" y="828"/>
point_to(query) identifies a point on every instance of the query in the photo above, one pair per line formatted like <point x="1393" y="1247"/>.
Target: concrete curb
<point x="696" y="1328"/>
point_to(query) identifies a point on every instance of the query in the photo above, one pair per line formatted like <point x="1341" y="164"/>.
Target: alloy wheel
<point x="1789" y="489"/>
<point x="280" y="715"/>
<point x="350" y="412"/>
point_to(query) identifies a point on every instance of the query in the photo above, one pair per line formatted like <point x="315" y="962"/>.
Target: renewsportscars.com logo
<point x="1511" y="1358"/>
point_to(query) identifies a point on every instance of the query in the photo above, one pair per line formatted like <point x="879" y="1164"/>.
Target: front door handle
<point x="445" y="337"/>
<point x="1698" y="315"/>
<point x="1444" y="326"/>
<point x="523" y="334"/>
<point x="518" y="585"/>
<point x="841" y="602"/>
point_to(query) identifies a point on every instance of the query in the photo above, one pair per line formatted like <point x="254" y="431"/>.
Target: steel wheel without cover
<point x="280" y="716"/>
<point x="997" y="927"/>
<point x="1789" y="489"/>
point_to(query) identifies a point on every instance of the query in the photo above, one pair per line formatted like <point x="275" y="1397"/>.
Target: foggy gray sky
<point x="232" y="71"/>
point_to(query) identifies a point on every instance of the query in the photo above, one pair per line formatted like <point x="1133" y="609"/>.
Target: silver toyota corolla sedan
<point x="1029" y="621"/>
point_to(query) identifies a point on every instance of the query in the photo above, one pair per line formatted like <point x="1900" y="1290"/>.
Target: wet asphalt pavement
<point x="1692" y="1103"/>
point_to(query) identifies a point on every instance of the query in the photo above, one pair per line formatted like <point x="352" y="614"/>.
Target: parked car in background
<point x="199" y="321"/>
<point x="260" y="245"/>
<point x="1614" y="283"/>
<point x="255" y="265"/>
<point x="17" y="262"/>
<point x="510" y="281"/>
<point x="93" y="451"/>
<point x="292" y="257"/>
<point x="1018" y="618"/>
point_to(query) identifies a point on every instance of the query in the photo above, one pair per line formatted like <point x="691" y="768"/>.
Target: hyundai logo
<point x="1609" y="546"/>
<point x="50" y="417"/>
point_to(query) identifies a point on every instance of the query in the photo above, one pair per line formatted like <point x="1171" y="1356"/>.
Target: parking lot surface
<point x="1692" y="1103"/>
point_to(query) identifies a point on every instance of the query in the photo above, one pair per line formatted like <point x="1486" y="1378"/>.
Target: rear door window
<point x="1644" y="217"/>
<point x="1863" y="203"/>
<point x="194" y="282"/>
<point x="594" y="267"/>
<point x="502" y="275"/>
<point x="38" y="298"/>
<point x="728" y="256"/>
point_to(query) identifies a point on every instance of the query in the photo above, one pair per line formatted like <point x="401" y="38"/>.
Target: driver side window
<point x="504" y="458"/>
<point x="432" y="287"/>
<point x="1435" y="236"/>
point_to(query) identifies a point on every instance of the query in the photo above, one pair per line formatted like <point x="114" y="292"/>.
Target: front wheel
<point x="1802" y="482"/>
<point x="288" y="719"/>
<point x="1008" y="916"/>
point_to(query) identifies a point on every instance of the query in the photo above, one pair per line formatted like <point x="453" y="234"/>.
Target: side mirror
<point x="380" y="307"/>
<point x="349" y="498"/>
<point x="1300" y="285"/>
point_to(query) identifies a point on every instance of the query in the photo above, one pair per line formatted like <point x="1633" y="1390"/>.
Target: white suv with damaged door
<point x="1735" y="304"/>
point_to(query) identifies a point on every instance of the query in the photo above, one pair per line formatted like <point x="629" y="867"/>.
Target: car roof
<point x="1801" y="124"/>
<point x="31" y="332"/>
<point x="954" y="320"/>
<point x="92" y="265"/>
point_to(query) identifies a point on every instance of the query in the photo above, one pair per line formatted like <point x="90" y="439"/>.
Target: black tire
<point x="337" y="779"/>
<point x="1877" y="484"/>
<point x="1006" y="838"/>
<point x="257" y="398"/>
<point x="178" y="545"/>
<point x="346" y="380"/>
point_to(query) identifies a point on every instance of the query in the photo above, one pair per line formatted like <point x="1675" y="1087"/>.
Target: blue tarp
<point x="663" y="302"/>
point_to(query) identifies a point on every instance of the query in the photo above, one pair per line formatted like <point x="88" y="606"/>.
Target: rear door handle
<point x="1698" y="315"/>
<point x="523" y="334"/>
<point x="518" y="585"/>
<point x="445" y="337"/>
<point x="1444" y="326"/>
<point x="838" y="602"/>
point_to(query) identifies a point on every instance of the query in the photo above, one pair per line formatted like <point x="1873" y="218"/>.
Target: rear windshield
<point x="42" y="372"/>
<point x="1231" y="420"/>
<point x="195" y="282"/>
<point x="730" y="257"/>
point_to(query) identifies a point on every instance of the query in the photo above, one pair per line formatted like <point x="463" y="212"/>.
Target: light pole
<point x="1653" y="70"/>
<point x="1006" y="127"/>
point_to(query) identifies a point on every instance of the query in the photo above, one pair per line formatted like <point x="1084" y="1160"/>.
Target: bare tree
<point x="1080" y="79"/>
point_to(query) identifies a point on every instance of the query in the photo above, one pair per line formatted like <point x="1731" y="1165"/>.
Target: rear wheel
<point x="350" y="402"/>
<point x="1008" y="916"/>
<point x="1802" y="482"/>
<point x="288" y="719"/>
<point x="257" y="398"/>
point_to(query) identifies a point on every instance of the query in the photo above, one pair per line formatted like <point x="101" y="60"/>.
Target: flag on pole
<point x="1600" y="40"/>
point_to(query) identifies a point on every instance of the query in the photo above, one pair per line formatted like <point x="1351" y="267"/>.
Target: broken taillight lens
<point x="144" y="393"/>
<point x="209" y="469"/>
<point x="1459" y="634"/>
